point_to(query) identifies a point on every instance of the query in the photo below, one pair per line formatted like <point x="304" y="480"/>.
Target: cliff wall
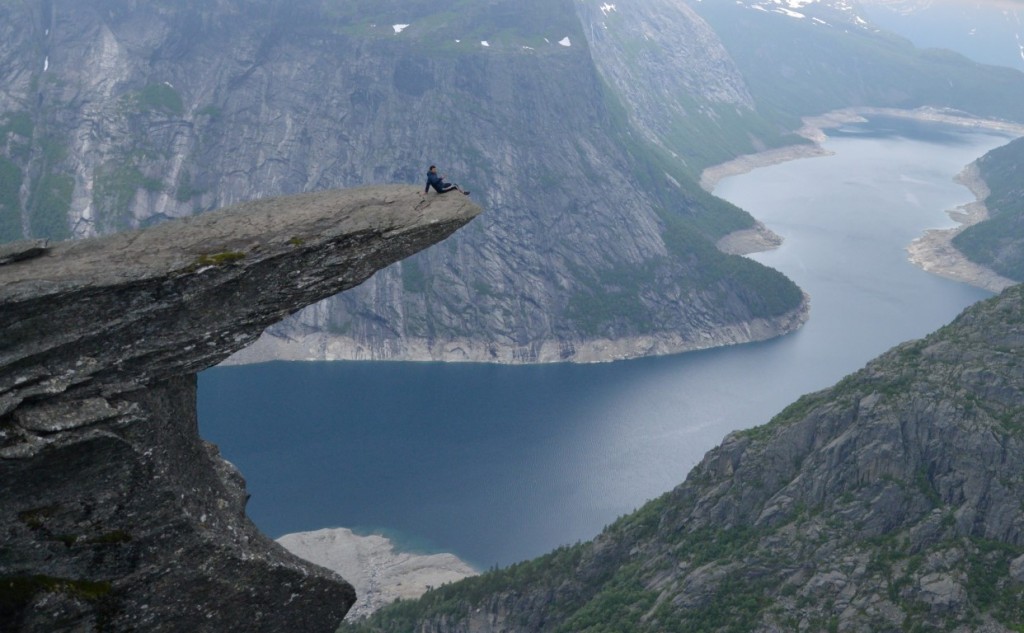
<point x="116" y="515"/>
<point x="117" y="114"/>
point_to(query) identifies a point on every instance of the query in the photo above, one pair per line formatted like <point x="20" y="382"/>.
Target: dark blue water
<point x="499" y="464"/>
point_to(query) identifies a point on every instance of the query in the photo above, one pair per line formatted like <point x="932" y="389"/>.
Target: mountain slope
<point x="890" y="502"/>
<point x="807" y="58"/>
<point x="595" y="245"/>
<point x="578" y="126"/>
<point x="998" y="242"/>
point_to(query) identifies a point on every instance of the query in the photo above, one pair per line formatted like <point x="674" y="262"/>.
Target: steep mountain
<point x="580" y="125"/>
<point x="711" y="80"/>
<point x="998" y="242"/>
<point x="119" y="113"/>
<point x="889" y="502"/>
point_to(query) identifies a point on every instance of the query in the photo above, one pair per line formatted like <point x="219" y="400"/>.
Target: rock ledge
<point x="116" y="515"/>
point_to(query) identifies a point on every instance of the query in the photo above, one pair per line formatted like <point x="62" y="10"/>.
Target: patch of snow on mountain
<point x="792" y="14"/>
<point x="484" y="43"/>
<point x="801" y="9"/>
<point x="399" y="27"/>
<point x="607" y="8"/>
<point x="565" y="41"/>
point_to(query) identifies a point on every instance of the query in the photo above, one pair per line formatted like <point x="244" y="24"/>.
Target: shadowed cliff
<point x="115" y="514"/>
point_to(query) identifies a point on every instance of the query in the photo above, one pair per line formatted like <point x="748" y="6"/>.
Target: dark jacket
<point x="435" y="181"/>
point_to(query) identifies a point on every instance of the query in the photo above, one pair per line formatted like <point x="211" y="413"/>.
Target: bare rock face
<point x="115" y="514"/>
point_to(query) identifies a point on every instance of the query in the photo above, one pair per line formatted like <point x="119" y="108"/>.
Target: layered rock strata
<point x="115" y="514"/>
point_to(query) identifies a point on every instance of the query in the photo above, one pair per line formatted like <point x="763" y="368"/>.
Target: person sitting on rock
<point x="438" y="183"/>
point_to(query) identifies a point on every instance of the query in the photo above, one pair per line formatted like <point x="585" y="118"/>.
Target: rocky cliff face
<point x="115" y="515"/>
<point x="890" y="502"/>
<point x="116" y="114"/>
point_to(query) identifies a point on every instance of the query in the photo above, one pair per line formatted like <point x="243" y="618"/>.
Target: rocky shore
<point x="379" y="572"/>
<point x="935" y="253"/>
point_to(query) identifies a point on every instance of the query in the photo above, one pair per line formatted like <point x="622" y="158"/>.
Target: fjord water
<point x="502" y="463"/>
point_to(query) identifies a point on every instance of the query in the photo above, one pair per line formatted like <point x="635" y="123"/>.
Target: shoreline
<point x="320" y="346"/>
<point x="933" y="251"/>
<point x="379" y="572"/>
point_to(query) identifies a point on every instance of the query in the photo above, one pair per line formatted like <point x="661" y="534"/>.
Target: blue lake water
<point x="502" y="463"/>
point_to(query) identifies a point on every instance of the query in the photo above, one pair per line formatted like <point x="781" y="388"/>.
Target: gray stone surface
<point x="22" y="249"/>
<point x="116" y="516"/>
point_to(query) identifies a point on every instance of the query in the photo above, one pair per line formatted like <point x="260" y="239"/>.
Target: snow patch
<point x="484" y="43"/>
<point x="607" y="8"/>
<point x="399" y="27"/>
<point x="565" y="41"/>
<point x="46" y="64"/>
<point x="792" y="14"/>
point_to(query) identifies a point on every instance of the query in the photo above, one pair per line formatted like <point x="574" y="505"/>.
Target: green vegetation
<point x="114" y="192"/>
<point x="610" y="301"/>
<point x="211" y="111"/>
<point x="36" y="518"/>
<point x="48" y="206"/>
<point x="159" y="97"/>
<point x="217" y="259"/>
<point x="17" y="124"/>
<point x="10" y="201"/>
<point x="994" y="593"/>
<point x="998" y="243"/>
<point x="611" y="305"/>
<point x="413" y="277"/>
<point x="17" y="592"/>
<point x="49" y="193"/>
<point x="185" y="190"/>
<point x="618" y="608"/>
